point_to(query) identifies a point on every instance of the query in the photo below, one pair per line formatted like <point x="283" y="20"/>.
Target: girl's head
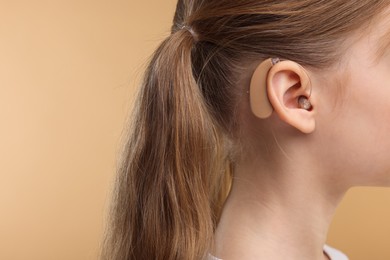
<point x="193" y="123"/>
<point x="231" y="38"/>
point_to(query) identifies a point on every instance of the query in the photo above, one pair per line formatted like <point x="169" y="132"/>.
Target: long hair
<point x="178" y="158"/>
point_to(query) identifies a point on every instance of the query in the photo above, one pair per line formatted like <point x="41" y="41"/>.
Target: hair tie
<point x="190" y="30"/>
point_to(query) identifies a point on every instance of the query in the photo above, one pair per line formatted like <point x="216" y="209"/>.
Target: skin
<point x="297" y="165"/>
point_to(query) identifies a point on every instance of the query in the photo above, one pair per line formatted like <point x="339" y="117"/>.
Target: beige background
<point x="68" y="70"/>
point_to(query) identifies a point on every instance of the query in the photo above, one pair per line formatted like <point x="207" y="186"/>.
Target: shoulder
<point x="334" y="254"/>
<point x="211" y="257"/>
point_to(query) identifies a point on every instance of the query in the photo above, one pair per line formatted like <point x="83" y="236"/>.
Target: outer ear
<point x="287" y="81"/>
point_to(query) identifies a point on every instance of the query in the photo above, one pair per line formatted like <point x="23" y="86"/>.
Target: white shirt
<point x="333" y="254"/>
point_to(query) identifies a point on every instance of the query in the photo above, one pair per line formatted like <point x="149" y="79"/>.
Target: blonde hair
<point x="177" y="163"/>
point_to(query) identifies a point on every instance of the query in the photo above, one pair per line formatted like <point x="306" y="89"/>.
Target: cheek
<point x="357" y="131"/>
<point x="369" y="109"/>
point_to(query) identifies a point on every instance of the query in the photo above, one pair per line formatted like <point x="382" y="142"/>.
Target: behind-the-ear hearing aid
<point x="258" y="96"/>
<point x="259" y="102"/>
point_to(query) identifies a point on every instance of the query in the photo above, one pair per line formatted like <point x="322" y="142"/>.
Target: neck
<point x="275" y="214"/>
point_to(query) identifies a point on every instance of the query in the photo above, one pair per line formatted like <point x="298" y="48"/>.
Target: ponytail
<point x="169" y="186"/>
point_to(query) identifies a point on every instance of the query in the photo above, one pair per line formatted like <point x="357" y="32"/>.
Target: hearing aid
<point x="258" y="96"/>
<point x="304" y="103"/>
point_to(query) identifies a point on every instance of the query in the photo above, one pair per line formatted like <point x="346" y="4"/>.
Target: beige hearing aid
<point x="259" y="102"/>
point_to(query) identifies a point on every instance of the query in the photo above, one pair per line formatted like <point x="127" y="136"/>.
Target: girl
<point x="254" y="119"/>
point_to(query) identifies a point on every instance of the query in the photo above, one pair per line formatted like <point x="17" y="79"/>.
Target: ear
<point x="287" y="81"/>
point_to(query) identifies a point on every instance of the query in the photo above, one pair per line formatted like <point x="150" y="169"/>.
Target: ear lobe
<point x="288" y="86"/>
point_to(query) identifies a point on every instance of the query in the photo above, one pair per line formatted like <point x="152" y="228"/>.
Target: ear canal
<point x="259" y="102"/>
